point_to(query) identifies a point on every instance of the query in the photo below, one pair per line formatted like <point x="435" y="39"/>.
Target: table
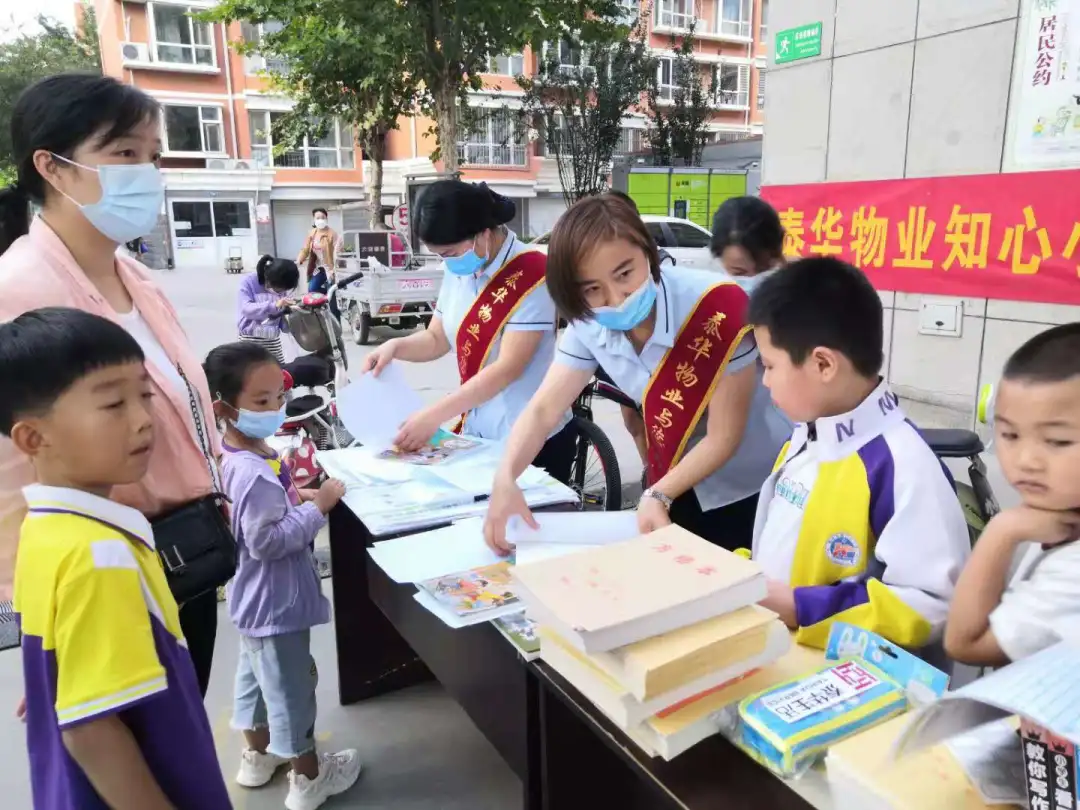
<point x="566" y="754"/>
<point x="587" y="762"/>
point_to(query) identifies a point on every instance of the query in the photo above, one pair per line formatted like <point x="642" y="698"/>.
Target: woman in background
<point x="320" y="252"/>
<point x="262" y="301"/>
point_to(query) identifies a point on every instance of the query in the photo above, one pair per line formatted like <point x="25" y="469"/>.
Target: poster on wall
<point x="1009" y="236"/>
<point x="1046" y="108"/>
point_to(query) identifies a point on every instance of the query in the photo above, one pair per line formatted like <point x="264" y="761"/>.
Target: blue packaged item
<point x="788" y="726"/>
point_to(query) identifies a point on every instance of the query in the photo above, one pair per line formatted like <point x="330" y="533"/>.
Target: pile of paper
<point x="650" y="629"/>
<point x="463" y="582"/>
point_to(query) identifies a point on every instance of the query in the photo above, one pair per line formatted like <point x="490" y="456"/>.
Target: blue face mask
<point x="131" y="198"/>
<point x="259" y="424"/>
<point x="630" y="312"/>
<point x="466" y="264"/>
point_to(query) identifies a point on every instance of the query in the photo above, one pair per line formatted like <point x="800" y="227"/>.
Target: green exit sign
<point x="798" y="43"/>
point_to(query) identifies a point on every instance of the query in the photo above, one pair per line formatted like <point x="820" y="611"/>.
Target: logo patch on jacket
<point x="843" y="550"/>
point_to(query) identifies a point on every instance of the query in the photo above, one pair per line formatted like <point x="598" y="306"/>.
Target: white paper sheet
<point x="1043" y="687"/>
<point x="476" y="474"/>
<point x="373" y="408"/>
<point x="527" y="553"/>
<point x="451" y="619"/>
<point x="423" y="556"/>
<point x="590" y="528"/>
<point x="993" y="759"/>
<point x="360" y="464"/>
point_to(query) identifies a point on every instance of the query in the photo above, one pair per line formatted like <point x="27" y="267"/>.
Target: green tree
<point x="579" y="104"/>
<point x="27" y="56"/>
<point x="332" y="68"/>
<point x="681" y="107"/>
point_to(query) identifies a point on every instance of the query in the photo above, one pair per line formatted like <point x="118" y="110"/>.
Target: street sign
<point x="401" y="217"/>
<point x="801" y="42"/>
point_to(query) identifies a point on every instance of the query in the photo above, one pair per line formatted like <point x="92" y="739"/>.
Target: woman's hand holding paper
<point x="507" y="502"/>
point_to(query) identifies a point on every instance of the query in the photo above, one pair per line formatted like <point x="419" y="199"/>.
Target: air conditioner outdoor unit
<point x="244" y="165"/>
<point x="135" y="51"/>
<point x="221" y="164"/>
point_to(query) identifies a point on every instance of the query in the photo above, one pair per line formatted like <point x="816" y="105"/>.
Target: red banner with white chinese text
<point x="1009" y="236"/>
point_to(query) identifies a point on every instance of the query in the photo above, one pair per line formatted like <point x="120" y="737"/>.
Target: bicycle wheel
<point x="595" y="472"/>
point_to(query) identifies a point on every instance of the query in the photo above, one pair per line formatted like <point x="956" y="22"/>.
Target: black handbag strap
<point x="201" y="433"/>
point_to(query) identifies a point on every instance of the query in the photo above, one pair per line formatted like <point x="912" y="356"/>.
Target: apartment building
<point x="227" y="191"/>
<point x="224" y="189"/>
<point x="729" y="38"/>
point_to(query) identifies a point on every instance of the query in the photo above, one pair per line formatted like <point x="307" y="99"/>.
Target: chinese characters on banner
<point x="1046" y="114"/>
<point x="1009" y="236"/>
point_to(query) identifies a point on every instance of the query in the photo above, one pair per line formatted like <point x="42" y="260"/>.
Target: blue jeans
<point x="275" y="687"/>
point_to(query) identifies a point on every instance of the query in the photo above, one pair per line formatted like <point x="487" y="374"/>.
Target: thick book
<point x="616" y="595"/>
<point x="863" y="773"/>
<point x="621" y="707"/>
<point x="680" y="727"/>
<point x="662" y="663"/>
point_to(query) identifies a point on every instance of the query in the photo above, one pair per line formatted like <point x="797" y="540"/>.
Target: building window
<point x="334" y="150"/>
<point x="761" y="89"/>
<point x="665" y="76"/>
<point x="731" y="135"/>
<point x="631" y="142"/>
<point x="736" y="17"/>
<point x="497" y="139"/>
<point x="509" y="65"/>
<point x="675" y="13"/>
<point x="194" y="129"/>
<point x="763" y="36"/>
<point x="253" y="35"/>
<point x="734" y="86"/>
<point x="180" y="40"/>
<point x="204" y="219"/>
<point x="630" y="11"/>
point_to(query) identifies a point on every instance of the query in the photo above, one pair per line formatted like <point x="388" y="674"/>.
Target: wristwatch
<point x="656" y="495"/>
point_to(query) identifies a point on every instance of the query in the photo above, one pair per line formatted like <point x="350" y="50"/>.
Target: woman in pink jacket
<point x="86" y="150"/>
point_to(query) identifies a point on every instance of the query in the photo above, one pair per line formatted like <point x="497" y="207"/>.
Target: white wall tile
<point x="795" y="149"/>
<point x="945" y="16"/>
<point x="947" y="366"/>
<point x="1032" y="312"/>
<point x="864" y="25"/>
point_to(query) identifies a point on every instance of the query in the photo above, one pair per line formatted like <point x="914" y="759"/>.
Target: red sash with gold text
<point x="490" y="312"/>
<point x="682" y="385"/>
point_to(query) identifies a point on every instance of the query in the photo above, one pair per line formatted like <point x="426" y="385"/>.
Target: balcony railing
<point x="738" y="99"/>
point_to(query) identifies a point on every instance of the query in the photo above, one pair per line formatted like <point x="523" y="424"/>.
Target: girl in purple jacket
<point x="276" y="597"/>
<point x="262" y="300"/>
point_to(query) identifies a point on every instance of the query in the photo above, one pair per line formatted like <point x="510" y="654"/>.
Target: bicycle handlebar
<point x="345" y="282"/>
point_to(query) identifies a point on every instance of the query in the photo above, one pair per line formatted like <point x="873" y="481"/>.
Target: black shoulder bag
<point x="194" y="541"/>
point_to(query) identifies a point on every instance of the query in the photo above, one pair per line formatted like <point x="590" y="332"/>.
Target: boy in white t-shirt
<point x="1037" y="439"/>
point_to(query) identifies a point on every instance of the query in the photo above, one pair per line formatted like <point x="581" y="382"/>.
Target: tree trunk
<point x="376" y="150"/>
<point x="447" y="121"/>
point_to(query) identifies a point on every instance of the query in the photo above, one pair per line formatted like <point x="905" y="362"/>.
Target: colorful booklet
<point x="522" y="632"/>
<point x="443" y="446"/>
<point x="472" y="592"/>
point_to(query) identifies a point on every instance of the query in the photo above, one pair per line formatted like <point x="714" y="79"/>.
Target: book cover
<point x="629" y="591"/>
<point x="522" y="632"/>
<point x="474" y="591"/>
<point x="442" y="447"/>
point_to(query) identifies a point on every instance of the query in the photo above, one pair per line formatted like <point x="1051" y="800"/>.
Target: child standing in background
<point x="276" y="596"/>
<point x="262" y="301"/>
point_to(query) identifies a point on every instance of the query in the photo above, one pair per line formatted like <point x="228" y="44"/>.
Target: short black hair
<point x="58" y="114"/>
<point x="322" y="211"/>
<point x="751" y="224"/>
<point x="1050" y="356"/>
<point x="280" y="274"/>
<point x="227" y="368"/>
<point x="451" y="211"/>
<point x="821" y="302"/>
<point x="46" y="351"/>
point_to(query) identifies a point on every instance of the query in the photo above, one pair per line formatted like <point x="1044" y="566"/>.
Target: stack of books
<point x="656" y="631"/>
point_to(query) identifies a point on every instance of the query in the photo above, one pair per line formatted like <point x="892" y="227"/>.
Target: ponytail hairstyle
<point x="279" y="274"/>
<point x="58" y="114"/>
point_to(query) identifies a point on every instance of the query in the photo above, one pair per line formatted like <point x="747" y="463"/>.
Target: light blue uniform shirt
<point x="494" y="418"/>
<point x="586" y="344"/>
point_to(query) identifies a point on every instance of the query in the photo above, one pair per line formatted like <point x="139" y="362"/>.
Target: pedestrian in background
<point x="262" y="302"/>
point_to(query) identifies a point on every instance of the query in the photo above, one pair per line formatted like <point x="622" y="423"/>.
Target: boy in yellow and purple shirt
<point x="114" y="716"/>
<point x="859" y="521"/>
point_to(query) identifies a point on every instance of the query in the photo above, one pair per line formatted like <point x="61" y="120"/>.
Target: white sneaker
<point x="337" y="773"/>
<point x="257" y="769"/>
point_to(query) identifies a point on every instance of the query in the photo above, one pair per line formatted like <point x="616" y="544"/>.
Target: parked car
<point x="687" y="242"/>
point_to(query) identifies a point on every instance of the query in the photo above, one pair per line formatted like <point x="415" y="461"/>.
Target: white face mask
<point x="320" y="223"/>
<point x="131" y="198"/>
